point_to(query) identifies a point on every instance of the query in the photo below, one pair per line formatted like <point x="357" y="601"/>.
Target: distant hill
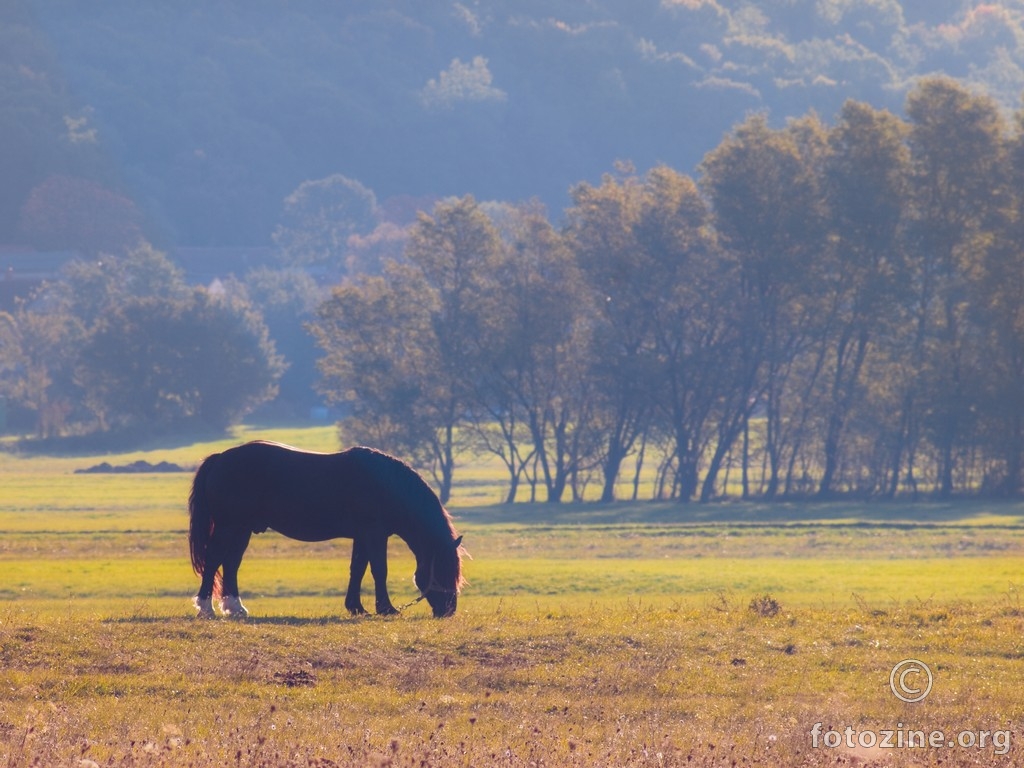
<point x="206" y="115"/>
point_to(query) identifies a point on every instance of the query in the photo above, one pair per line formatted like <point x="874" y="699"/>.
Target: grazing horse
<point x="359" y="494"/>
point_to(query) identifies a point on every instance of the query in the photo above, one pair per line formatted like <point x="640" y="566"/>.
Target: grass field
<point x="629" y="634"/>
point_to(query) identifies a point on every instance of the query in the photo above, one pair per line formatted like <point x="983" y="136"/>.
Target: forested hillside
<point x="200" y="118"/>
<point x="750" y="240"/>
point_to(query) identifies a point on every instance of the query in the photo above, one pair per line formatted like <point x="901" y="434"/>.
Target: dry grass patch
<point x="507" y="683"/>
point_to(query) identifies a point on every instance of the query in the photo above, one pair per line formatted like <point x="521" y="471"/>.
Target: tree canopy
<point x="826" y="309"/>
<point x="123" y="343"/>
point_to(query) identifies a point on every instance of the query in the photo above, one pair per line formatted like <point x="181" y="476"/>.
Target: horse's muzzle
<point x="442" y="603"/>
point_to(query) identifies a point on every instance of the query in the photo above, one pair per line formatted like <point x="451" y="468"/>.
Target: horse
<point x="360" y="494"/>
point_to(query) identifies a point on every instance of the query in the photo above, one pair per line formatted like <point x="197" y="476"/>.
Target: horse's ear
<point x="457" y="543"/>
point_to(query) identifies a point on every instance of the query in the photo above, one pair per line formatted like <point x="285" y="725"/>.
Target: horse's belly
<point x="305" y="531"/>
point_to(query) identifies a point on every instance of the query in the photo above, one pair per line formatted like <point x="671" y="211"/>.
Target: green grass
<point x="589" y="635"/>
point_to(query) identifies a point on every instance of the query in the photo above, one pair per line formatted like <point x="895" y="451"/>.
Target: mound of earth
<point x="135" y="467"/>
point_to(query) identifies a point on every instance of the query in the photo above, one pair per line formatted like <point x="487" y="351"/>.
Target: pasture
<point x="625" y="635"/>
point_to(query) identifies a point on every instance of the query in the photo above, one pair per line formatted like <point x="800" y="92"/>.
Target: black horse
<point x="359" y="494"/>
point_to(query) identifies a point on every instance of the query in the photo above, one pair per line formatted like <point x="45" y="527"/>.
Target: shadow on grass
<point x="283" y="621"/>
<point x="117" y="441"/>
<point x="844" y="512"/>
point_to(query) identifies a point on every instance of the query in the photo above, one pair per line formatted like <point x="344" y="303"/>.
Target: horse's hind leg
<point x="360" y="559"/>
<point x="235" y="543"/>
<point x="203" y="601"/>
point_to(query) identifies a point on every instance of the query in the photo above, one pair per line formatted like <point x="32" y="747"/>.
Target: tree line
<point x="820" y="309"/>
<point x="824" y="309"/>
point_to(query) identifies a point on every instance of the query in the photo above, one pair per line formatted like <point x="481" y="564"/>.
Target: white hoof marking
<point x="232" y="607"/>
<point x="204" y="608"/>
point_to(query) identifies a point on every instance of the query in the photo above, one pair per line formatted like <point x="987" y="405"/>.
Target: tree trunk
<point x="745" y="473"/>
<point x="610" y="469"/>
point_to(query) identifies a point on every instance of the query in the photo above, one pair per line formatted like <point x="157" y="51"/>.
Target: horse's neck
<point x="423" y="542"/>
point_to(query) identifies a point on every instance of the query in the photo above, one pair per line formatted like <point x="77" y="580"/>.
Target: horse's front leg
<point x="378" y="552"/>
<point x="360" y="559"/>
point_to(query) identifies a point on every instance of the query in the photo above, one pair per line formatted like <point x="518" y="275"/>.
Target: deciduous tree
<point x="70" y="213"/>
<point x="38" y="350"/>
<point x="864" y="278"/>
<point x="601" y="227"/>
<point x="959" y="199"/>
<point x="165" y="361"/>
<point x="406" y="347"/>
<point x="532" y="368"/>
<point x="765" y="190"/>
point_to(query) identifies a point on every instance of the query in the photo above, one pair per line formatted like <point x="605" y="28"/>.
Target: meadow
<point x="632" y="634"/>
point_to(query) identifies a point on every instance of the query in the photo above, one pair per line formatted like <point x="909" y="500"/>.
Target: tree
<point x="38" y="350"/>
<point x="601" y="230"/>
<point x="87" y="288"/>
<point x="319" y="218"/>
<point x="44" y="337"/>
<point x="765" y="191"/>
<point x="403" y="350"/>
<point x="866" y="183"/>
<point x="959" y="199"/>
<point x="287" y="300"/>
<point x="380" y="363"/>
<point x="533" y="400"/>
<point x="997" y="310"/>
<point x="165" y="361"/>
<point x="451" y="250"/>
<point x="70" y="213"/>
<point x="691" y="305"/>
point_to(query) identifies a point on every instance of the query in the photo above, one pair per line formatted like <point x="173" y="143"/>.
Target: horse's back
<point x="314" y="496"/>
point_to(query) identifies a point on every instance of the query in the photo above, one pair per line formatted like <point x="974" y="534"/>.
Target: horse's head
<point x="439" y="577"/>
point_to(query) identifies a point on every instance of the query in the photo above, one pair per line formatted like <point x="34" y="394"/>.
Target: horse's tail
<point x="200" y="523"/>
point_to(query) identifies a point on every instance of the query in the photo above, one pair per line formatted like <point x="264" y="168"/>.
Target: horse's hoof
<point x="357" y="610"/>
<point x="204" y="608"/>
<point x="232" y="607"/>
<point x="387" y="610"/>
